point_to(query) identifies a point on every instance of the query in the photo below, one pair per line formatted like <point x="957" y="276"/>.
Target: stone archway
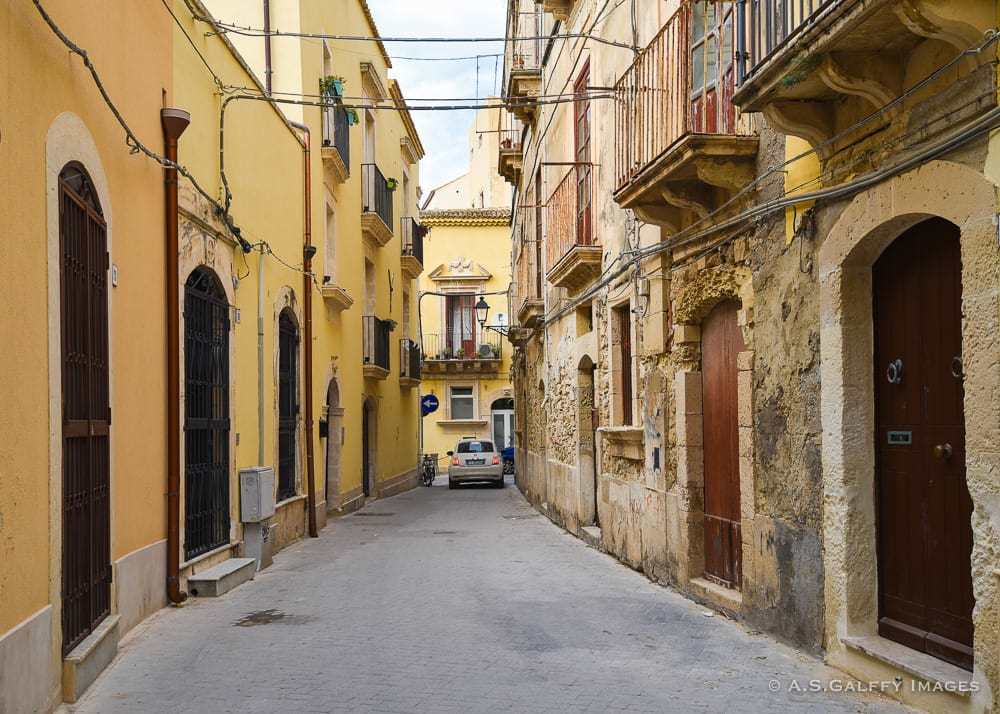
<point x="867" y="226"/>
<point x="587" y="422"/>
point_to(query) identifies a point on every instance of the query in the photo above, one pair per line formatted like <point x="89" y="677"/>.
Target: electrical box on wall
<point x="256" y="494"/>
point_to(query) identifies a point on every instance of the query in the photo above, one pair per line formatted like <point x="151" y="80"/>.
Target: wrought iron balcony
<point x="573" y="255"/>
<point x="511" y="158"/>
<point x="463" y="353"/>
<point x="409" y="363"/>
<point x="412" y="247"/>
<point x="528" y="298"/>
<point x="376" y="205"/>
<point x="523" y="60"/>
<point x="336" y="139"/>
<point x="375" y="341"/>
<point x="811" y="65"/>
<point x="681" y="146"/>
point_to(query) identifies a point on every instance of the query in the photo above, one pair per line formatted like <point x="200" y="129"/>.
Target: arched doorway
<point x="923" y="511"/>
<point x="206" y="414"/>
<point x="334" y="443"/>
<point x="587" y="423"/>
<point x="288" y="402"/>
<point x="502" y="422"/>
<point x="368" y="446"/>
<point x="86" y="408"/>
<point x="721" y="342"/>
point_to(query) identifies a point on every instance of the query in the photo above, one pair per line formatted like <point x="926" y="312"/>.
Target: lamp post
<point x="482" y="312"/>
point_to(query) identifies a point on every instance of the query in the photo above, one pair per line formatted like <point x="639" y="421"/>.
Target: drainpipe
<point x="267" y="46"/>
<point x="307" y="293"/>
<point x="260" y="358"/>
<point x="174" y="122"/>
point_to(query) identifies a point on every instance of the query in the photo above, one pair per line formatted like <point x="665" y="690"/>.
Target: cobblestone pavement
<point x="453" y="601"/>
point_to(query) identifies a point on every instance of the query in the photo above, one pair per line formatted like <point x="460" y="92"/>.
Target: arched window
<point x="206" y="413"/>
<point x="288" y="401"/>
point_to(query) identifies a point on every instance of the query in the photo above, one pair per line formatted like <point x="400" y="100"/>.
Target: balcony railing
<point x="568" y="215"/>
<point x="413" y="238"/>
<point x="682" y="83"/>
<point x="764" y="27"/>
<point x="409" y="359"/>
<point x="453" y="346"/>
<point x="376" y="341"/>
<point x="337" y="128"/>
<point x="527" y="271"/>
<point x="375" y="194"/>
<point x="527" y="45"/>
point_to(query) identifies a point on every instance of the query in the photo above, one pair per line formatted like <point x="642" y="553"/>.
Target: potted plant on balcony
<point x="332" y="84"/>
<point x="391" y="184"/>
<point x="459" y="353"/>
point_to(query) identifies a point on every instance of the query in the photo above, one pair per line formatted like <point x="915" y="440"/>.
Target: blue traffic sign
<point x="429" y="404"/>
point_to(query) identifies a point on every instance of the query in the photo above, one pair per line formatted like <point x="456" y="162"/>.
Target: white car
<point x="475" y="460"/>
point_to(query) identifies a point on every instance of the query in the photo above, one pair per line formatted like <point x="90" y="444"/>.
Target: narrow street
<point x="461" y="601"/>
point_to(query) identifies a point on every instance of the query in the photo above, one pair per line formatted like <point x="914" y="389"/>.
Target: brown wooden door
<point x="721" y="341"/>
<point x="86" y="409"/>
<point x="924" y="508"/>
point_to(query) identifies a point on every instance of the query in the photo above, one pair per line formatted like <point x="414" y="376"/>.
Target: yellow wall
<point x="298" y="67"/>
<point x="489" y="248"/>
<point x="39" y="80"/>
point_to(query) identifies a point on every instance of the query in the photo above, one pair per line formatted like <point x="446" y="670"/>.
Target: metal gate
<point x="288" y="403"/>
<point x="206" y="410"/>
<point x="86" y="411"/>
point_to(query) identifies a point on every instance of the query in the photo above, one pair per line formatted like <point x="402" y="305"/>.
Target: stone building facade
<point x="756" y="352"/>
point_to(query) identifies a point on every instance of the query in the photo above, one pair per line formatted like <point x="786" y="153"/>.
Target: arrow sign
<point x="429" y="404"/>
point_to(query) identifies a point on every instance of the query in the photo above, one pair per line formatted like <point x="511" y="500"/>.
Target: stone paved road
<point x="452" y="601"/>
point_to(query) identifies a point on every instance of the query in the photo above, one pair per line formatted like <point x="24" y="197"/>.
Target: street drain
<point x="445" y="532"/>
<point x="521" y="517"/>
<point x="270" y="617"/>
<point x="364" y="514"/>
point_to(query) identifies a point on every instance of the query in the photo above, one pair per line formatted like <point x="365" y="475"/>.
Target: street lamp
<point x="482" y="310"/>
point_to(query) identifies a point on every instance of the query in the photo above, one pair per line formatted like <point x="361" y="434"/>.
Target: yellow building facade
<point x="294" y="282"/>
<point x="83" y="338"/>
<point x="466" y="363"/>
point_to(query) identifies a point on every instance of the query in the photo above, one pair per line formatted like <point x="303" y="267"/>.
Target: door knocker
<point x="895" y="372"/>
<point x="957" y="370"/>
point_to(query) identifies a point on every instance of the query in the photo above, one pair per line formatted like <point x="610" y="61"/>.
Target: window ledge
<point x="624" y="442"/>
<point x="952" y="679"/>
<point x="463" y="422"/>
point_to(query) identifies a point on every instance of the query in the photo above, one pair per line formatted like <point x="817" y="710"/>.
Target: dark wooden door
<point x="206" y="414"/>
<point x="86" y="409"/>
<point x="924" y="509"/>
<point x="366" y="455"/>
<point x="288" y="403"/>
<point x="721" y="341"/>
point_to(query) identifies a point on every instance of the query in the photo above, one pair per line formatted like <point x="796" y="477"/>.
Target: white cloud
<point x="442" y="132"/>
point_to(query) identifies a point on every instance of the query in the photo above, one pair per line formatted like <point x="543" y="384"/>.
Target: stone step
<point x="591" y="535"/>
<point x="221" y="578"/>
<point x="89" y="658"/>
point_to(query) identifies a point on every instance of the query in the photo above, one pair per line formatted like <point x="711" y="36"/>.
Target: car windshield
<point x="475" y="447"/>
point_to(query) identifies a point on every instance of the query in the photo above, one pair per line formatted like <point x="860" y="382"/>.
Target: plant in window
<point x="332" y="84"/>
<point x="391" y="184"/>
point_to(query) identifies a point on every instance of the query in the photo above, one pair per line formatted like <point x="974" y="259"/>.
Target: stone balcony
<point x="829" y="59"/>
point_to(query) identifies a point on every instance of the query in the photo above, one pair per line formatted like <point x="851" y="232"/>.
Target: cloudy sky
<point x="442" y="132"/>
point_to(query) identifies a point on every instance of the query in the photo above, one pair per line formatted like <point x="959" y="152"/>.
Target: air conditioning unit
<point x="256" y="494"/>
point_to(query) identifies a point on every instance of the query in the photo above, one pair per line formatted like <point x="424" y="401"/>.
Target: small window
<point x="475" y="447"/>
<point x="462" y="403"/>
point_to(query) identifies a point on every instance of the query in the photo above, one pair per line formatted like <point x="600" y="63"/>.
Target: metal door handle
<point x="943" y="451"/>
<point x="894" y="373"/>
